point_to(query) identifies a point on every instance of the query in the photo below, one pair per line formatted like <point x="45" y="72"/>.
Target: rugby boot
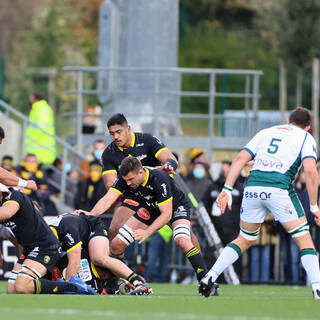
<point x="207" y="287"/>
<point x="82" y="287"/>
<point x="141" y="289"/>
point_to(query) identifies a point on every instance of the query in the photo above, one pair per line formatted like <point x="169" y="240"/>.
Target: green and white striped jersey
<point x="278" y="153"/>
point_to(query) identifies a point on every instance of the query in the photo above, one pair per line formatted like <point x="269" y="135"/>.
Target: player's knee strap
<point x="249" y="235"/>
<point x="125" y="234"/>
<point x="300" y="230"/>
<point x="13" y="276"/>
<point x="181" y="230"/>
<point x="36" y="273"/>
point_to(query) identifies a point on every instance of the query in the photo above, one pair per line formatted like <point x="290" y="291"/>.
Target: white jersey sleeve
<point x="309" y="148"/>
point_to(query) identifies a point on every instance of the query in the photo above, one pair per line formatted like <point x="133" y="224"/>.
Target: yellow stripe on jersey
<point x="159" y="151"/>
<point x="55" y="232"/>
<point x="165" y="201"/>
<point x="116" y="190"/>
<point x="94" y="270"/>
<point x="109" y="171"/>
<point x="147" y="177"/>
<point x="17" y="203"/>
<point x="75" y="246"/>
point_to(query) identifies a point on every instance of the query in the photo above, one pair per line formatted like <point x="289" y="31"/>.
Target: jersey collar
<point x="133" y="141"/>
<point x="147" y="177"/>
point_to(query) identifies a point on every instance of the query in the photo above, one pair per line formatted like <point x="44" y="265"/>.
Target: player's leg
<point x="248" y="235"/>
<point x="181" y="235"/>
<point x="120" y="216"/>
<point x="299" y="230"/>
<point x="124" y="238"/>
<point x="12" y="278"/>
<point x="99" y="255"/>
<point x="35" y="266"/>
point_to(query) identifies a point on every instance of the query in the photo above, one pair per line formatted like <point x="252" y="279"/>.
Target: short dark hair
<point x="129" y="164"/>
<point x="117" y="118"/>
<point x="2" y="135"/>
<point x="301" y="117"/>
<point x="38" y="96"/>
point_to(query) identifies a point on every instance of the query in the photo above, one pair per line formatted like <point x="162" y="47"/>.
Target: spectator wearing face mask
<point x="91" y="190"/>
<point x="29" y="169"/>
<point x="197" y="155"/>
<point x="7" y="164"/>
<point x="95" y="156"/>
<point x="42" y="196"/>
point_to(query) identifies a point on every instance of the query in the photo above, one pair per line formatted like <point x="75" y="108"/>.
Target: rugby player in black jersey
<point x="41" y="248"/>
<point x="86" y="236"/>
<point x="158" y="201"/>
<point x="148" y="149"/>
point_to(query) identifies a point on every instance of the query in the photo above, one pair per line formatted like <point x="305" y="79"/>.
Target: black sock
<point x="134" y="278"/>
<point x="197" y="262"/>
<point x="53" y="287"/>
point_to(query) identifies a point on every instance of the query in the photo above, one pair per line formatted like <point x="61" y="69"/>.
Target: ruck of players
<point x="140" y="182"/>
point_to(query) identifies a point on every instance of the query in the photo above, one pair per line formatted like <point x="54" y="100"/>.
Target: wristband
<point x="22" y="183"/>
<point x="226" y="187"/>
<point x="228" y="191"/>
<point x="172" y="163"/>
<point x="314" y="208"/>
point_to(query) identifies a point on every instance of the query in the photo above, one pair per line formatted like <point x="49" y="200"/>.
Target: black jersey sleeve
<point x="70" y="236"/>
<point x="15" y="197"/>
<point x="163" y="189"/>
<point x="154" y="144"/>
<point x="107" y="163"/>
<point x="119" y="185"/>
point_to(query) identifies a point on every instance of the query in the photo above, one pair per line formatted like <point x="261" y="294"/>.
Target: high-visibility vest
<point x="37" y="142"/>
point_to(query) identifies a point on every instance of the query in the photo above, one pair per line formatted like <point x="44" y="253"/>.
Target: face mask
<point x="43" y="196"/>
<point x="31" y="167"/>
<point x="198" y="173"/>
<point x="98" y="154"/>
<point x="67" y="167"/>
<point x="95" y="176"/>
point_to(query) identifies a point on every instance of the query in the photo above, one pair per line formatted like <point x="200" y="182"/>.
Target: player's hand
<point x="222" y="201"/>
<point x="167" y="168"/>
<point x="31" y="185"/>
<point x="141" y="235"/>
<point x="317" y="217"/>
<point x="78" y="211"/>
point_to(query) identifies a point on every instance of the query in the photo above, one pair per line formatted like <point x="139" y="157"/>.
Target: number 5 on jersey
<point x="274" y="145"/>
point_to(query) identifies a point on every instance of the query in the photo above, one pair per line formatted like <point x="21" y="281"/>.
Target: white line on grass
<point x="114" y="313"/>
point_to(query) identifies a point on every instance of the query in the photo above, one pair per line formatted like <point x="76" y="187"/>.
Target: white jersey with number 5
<point x="278" y="153"/>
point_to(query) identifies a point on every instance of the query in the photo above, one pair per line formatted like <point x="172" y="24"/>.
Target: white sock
<point x="228" y="256"/>
<point x="310" y="263"/>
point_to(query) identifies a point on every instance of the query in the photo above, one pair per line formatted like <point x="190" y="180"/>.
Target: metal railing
<point x="67" y="150"/>
<point x="251" y="94"/>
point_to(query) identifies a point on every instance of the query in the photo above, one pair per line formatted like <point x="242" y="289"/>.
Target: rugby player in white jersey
<point x="278" y="153"/>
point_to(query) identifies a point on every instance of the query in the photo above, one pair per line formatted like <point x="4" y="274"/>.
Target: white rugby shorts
<point x="259" y="201"/>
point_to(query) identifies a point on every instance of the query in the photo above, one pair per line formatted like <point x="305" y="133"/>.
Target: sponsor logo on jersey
<point x="268" y="163"/>
<point x="141" y="157"/>
<point x="148" y="197"/>
<point x="285" y="128"/>
<point x="46" y="259"/>
<point x="34" y="253"/>
<point x="164" y="192"/>
<point x="70" y="239"/>
<point x="256" y="195"/>
<point x="140" y="145"/>
<point x="143" y="213"/>
<point x="131" y="202"/>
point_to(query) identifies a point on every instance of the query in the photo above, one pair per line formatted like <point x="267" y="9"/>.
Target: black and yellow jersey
<point x="74" y="230"/>
<point x="157" y="189"/>
<point x="144" y="147"/>
<point x="27" y="224"/>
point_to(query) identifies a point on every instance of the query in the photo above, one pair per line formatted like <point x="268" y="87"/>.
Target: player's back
<point x="278" y="152"/>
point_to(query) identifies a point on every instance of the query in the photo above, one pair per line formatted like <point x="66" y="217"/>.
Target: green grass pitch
<point x="176" y="302"/>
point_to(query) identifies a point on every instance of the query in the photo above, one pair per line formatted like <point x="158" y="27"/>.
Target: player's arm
<point x="238" y="163"/>
<point x="168" y="160"/>
<point x="105" y="202"/>
<point x="9" y="209"/>
<point x="165" y="216"/>
<point x="11" y="180"/>
<point x="74" y="257"/>
<point x="311" y="173"/>
<point x="109" y="177"/>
